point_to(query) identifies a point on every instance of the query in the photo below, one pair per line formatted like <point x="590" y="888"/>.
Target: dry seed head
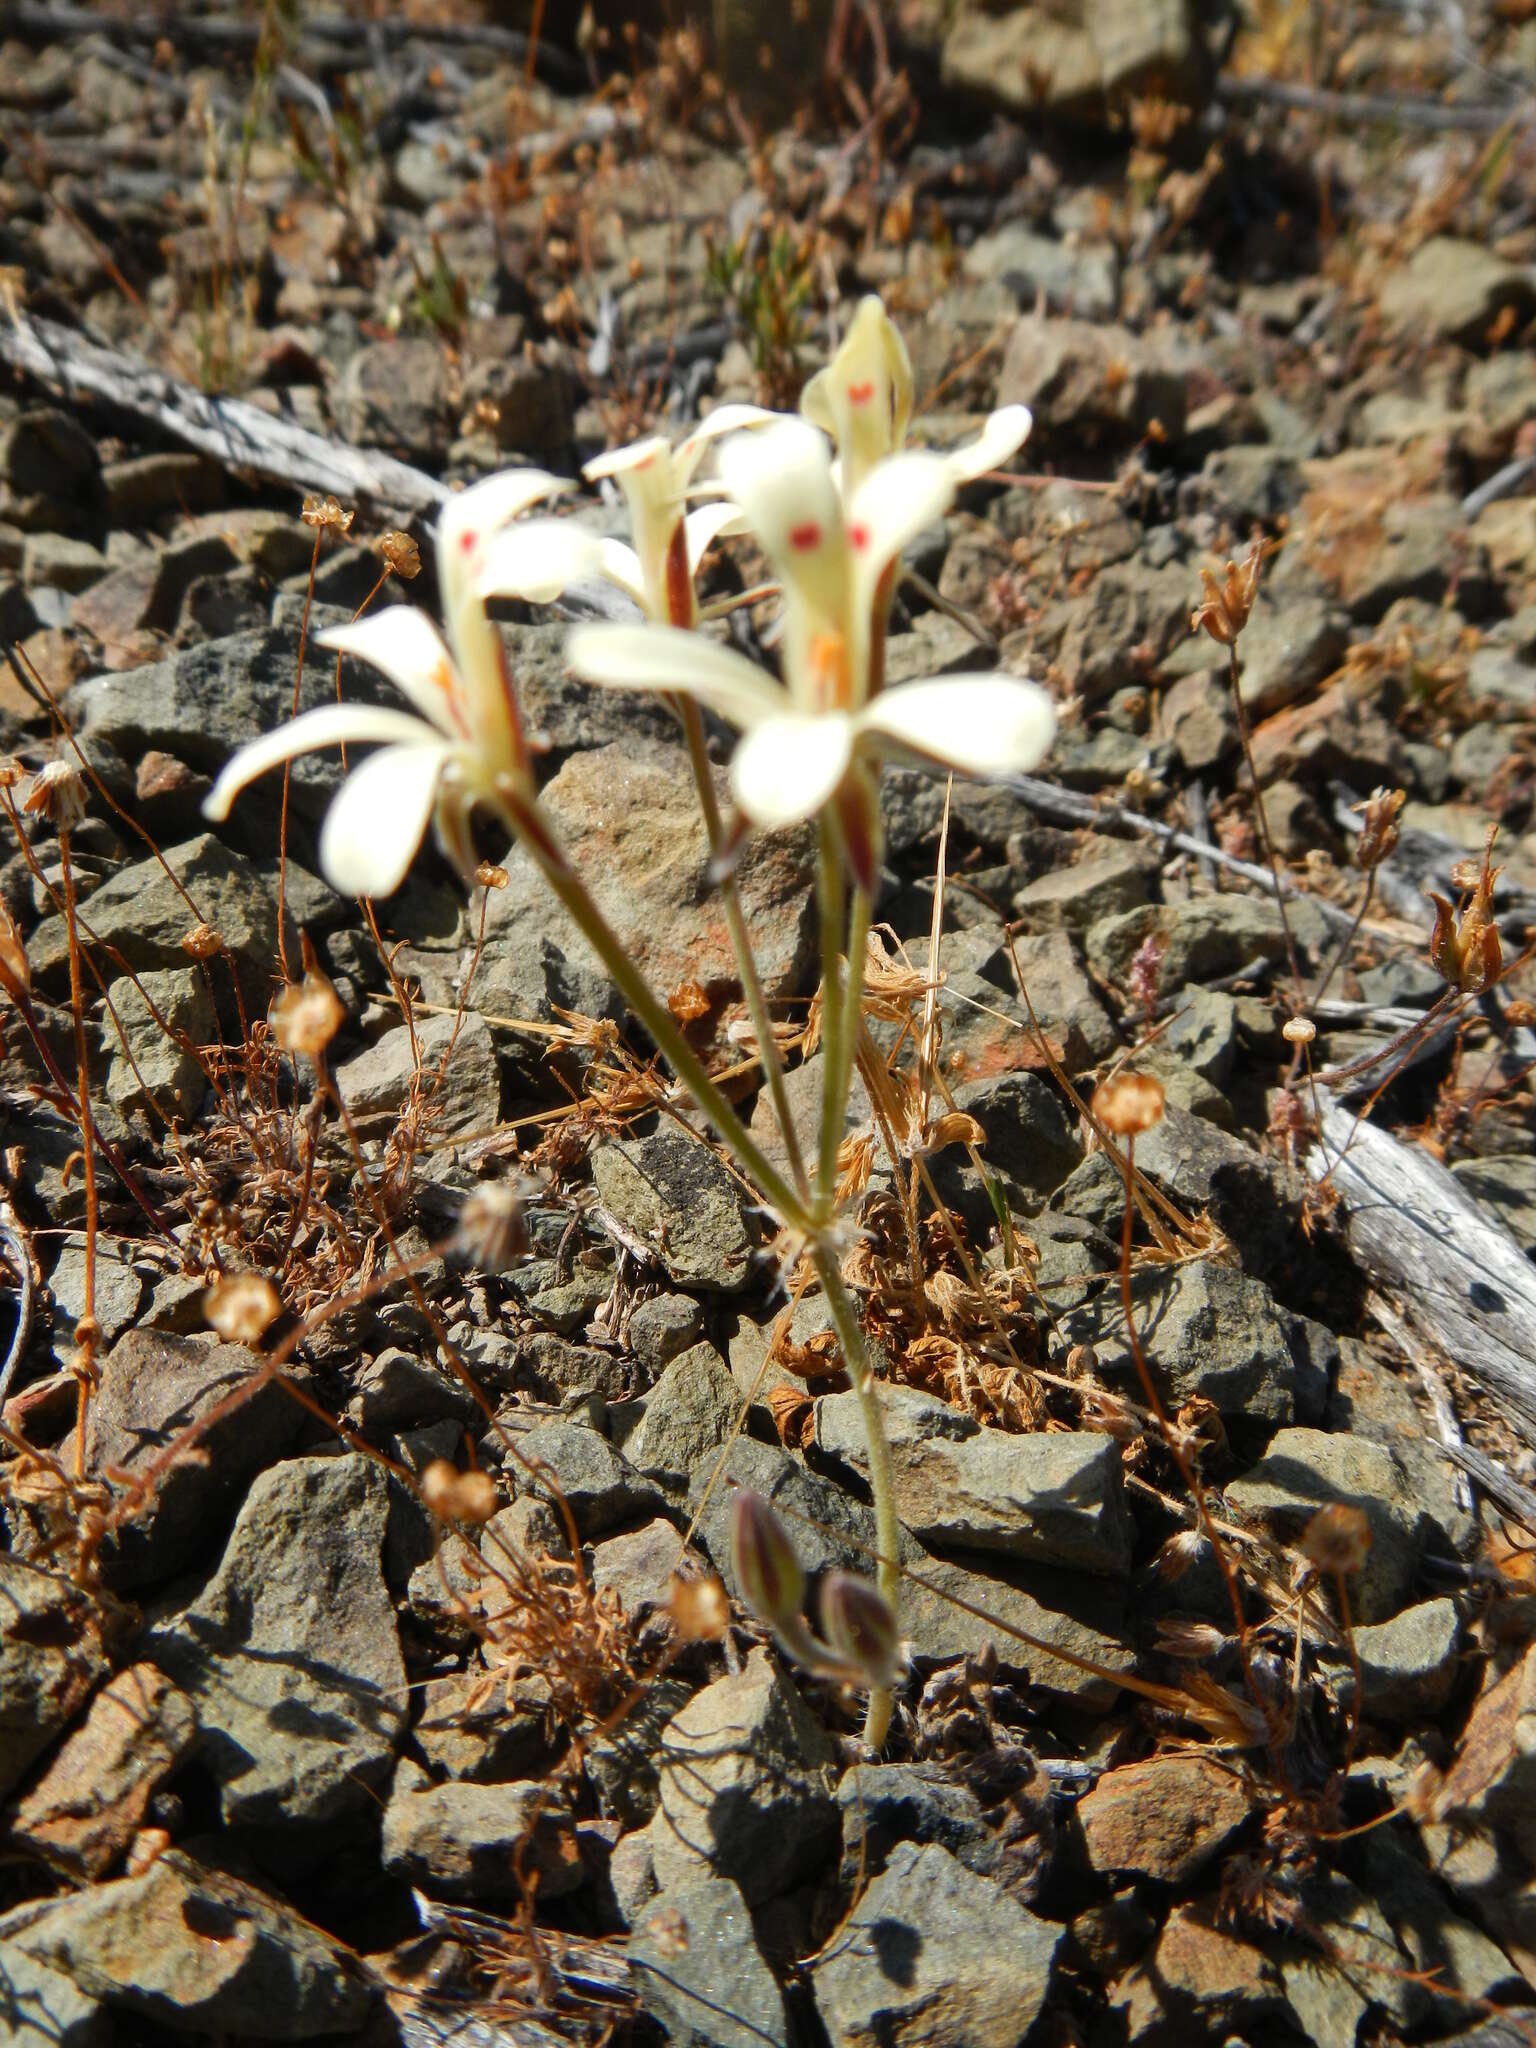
<point x="1337" y="1539"/>
<point x="455" y="1496"/>
<point x="1298" y="1031"/>
<point x="700" y="1611"/>
<point x="1378" y="836"/>
<point x="1128" y="1104"/>
<point x="11" y="771"/>
<point x="323" y="512"/>
<point x="491" y="1232"/>
<point x="1179" y="1635"/>
<point x="1223" y="611"/>
<point x="401" y="553"/>
<point x="242" y="1308"/>
<point x="56" y="792"/>
<point x="307" y="1015"/>
<point x="202" y="942"/>
<point x="489" y="876"/>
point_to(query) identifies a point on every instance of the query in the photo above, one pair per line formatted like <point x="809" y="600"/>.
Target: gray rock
<point x="638" y="1566"/>
<point x="460" y="1080"/>
<point x="1112" y="878"/>
<point x="1085" y="383"/>
<point x="696" y="1964"/>
<point x="745" y="1786"/>
<point x="394" y="395"/>
<point x="1081" y="281"/>
<point x="60" y="562"/>
<point x="50" y="472"/>
<point x="1053" y="1609"/>
<point x="1306" y="1469"/>
<point x="622" y="1761"/>
<point x="51" y="1659"/>
<point x="1027" y="1135"/>
<point x="1065" y="1004"/>
<point x="1135" y="612"/>
<point x="1408" y="1665"/>
<point x="1207" y="937"/>
<point x="1505" y="1184"/>
<point x="289" y="1652"/>
<point x="1243" y="487"/>
<point x="598" y="1484"/>
<point x="935" y="1957"/>
<point x="194" y="1951"/>
<point x="1196" y="715"/>
<point x="671" y="1191"/>
<point x="488" y="1736"/>
<point x="1032" y="60"/>
<point x="688" y="1415"/>
<point x="119" y="1291"/>
<point x="461" y="1840"/>
<point x="397" y="1390"/>
<point x="1466" y="1965"/>
<point x="154" y="1386"/>
<point x="1453" y="290"/>
<point x="1206" y="1332"/>
<point x="1055" y="1496"/>
<point x="145" y="595"/>
<point x="802" y="1089"/>
<point x="661" y="1327"/>
<point x="158" y="1064"/>
<point x="42" y="2008"/>
<point x="884" y="1805"/>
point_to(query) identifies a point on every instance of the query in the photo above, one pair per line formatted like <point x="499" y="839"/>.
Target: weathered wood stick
<point x="233" y="432"/>
<point x="1455" y="1273"/>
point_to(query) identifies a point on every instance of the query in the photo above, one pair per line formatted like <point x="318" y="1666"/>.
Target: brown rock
<point x="85" y="1810"/>
<point x="1196" y="1981"/>
<point x="1164" y="1819"/>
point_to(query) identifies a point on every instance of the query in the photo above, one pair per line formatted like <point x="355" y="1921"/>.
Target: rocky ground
<point x="280" y="1758"/>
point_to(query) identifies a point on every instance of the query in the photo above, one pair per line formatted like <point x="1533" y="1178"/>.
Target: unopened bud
<point x="767" y="1570"/>
<point x="857" y="1621"/>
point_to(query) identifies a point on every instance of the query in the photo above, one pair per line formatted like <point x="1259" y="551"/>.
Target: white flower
<point x="806" y="741"/>
<point x="543" y="557"/>
<point x="863" y="399"/>
<point x="462" y="745"/>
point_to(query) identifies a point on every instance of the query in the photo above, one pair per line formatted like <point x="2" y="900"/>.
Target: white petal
<point x="326" y="726"/>
<point x="537" y="559"/>
<point x="863" y="398"/>
<point x="725" y="419"/>
<point x="488" y="505"/>
<point x="667" y="658"/>
<point x="976" y="724"/>
<point x="781" y="477"/>
<point x="785" y="769"/>
<point x="891" y="507"/>
<point x="999" y="441"/>
<point x="374" y="827"/>
<point x="622" y="568"/>
<point x="633" y="455"/>
<point x="706" y="524"/>
<point x="403" y="644"/>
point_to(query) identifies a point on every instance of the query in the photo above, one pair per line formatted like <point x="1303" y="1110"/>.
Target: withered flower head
<point x="700" y="1611"/>
<point x="1337" y="1539"/>
<point x="769" y="1573"/>
<point x="323" y="512"/>
<point x="491" y="1231"/>
<point x="401" y="553"/>
<point x="202" y="942"/>
<point x="308" y="1014"/>
<point x="490" y="875"/>
<point x="1298" y="1031"/>
<point x="57" y="792"/>
<point x="242" y="1308"/>
<point x="11" y="771"/>
<point x="455" y="1496"/>
<point x="1378" y="835"/>
<point x="1128" y="1104"/>
<point x="1464" y="946"/>
<point x="1223" y="612"/>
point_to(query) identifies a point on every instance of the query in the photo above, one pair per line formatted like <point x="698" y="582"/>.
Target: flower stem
<point x="829" y="894"/>
<point x="741" y="942"/>
<point x="877" y="1713"/>
<point x="537" y="836"/>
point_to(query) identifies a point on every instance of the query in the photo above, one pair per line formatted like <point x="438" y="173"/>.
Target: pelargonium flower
<point x="541" y="558"/>
<point x="863" y="399"/>
<point x="808" y="742"/>
<point x="464" y="742"/>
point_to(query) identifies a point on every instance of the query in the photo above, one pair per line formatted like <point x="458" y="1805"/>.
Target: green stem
<point x="829" y="892"/>
<point x="741" y="943"/>
<point x="535" y="831"/>
<point x="877" y="1714"/>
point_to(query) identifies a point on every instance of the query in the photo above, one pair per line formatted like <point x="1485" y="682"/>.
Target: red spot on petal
<point x="805" y="536"/>
<point x="861" y="394"/>
<point x="858" y="534"/>
<point x="467" y="541"/>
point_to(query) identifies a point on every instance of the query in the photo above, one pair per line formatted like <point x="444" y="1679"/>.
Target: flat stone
<point x="935" y="1957"/>
<point x="1055" y="1495"/>
<point x="158" y="1066"/>
<point x="1110" y="879"/>
<point x="1079" y="281"/>
<point x="688" y="1415"/>
<point x="598" y="1484"/>
<point x="194" y="1951"/>
<point x="289" y="1652"/>
<point x="744" y="1786"/>
<point x="674" y="1194"/>
<point x="638" y="1565"/>
<point x="1197" y="1975"/>
<point x="461" y="1840"/>
<point x="488" y="1733"/>
<point x="119" y="1291"/>
<point x="42" y="2008"/>
<point x="153" y="1387"/>
<point x="1164" y="1819"/>
<point x="61" y="562"/>
<point x="85" y="1810"/>
<point x="51" y="1658"/>
<point x="460" y="1080"/>
<point x="623" y="1762"/>
<point x="884" y="1805"/>
<point x="1408" y="1665"/>
<point x="1307" y="1469"/>
<point x="1074" y="64"/>
<point x="1452" y="289"/>
<point x="661" y="1327"/>
<point x="695" y="1961"/>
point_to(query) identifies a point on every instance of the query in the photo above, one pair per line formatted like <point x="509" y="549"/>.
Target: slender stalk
<point x="1240" y="710"/>
<point x="882" y="1489"/>
<point x="829" y="893"/>
<point x="659" y="1022"/>
<point x="87" y="1330"/>
<point x="741" y="943"/>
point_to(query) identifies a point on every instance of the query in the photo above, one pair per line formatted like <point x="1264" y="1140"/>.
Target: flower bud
<point x="857" y="1621"/>
<point x="767" y="1570"/>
